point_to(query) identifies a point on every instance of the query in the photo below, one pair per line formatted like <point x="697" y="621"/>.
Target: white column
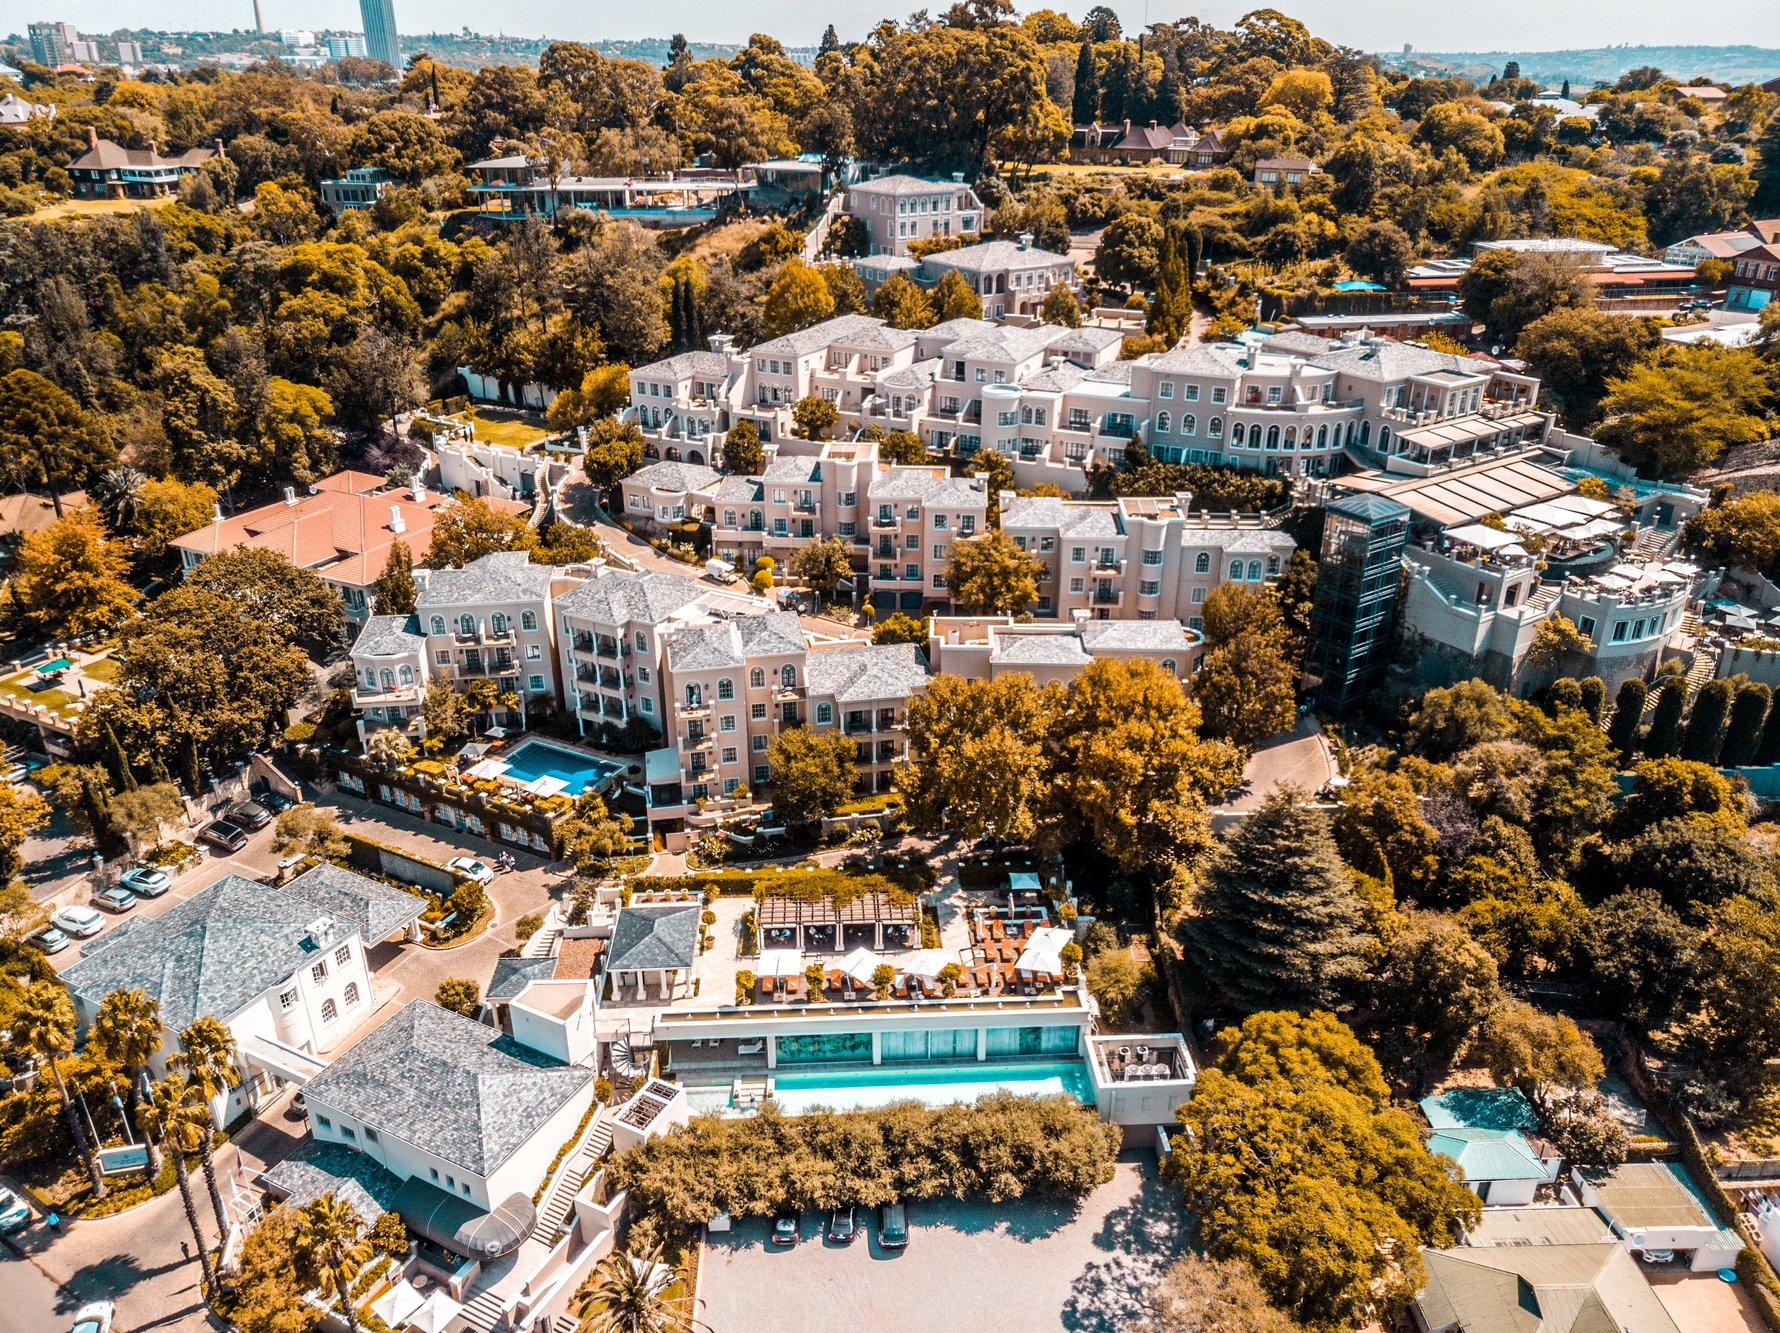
<point x="877" y="1047"/>
<point x="772" y="1052"/>
<point x="982" y="1043"/>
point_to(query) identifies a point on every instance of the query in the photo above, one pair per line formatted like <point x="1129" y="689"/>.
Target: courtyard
<point x="1034" y="1265"/>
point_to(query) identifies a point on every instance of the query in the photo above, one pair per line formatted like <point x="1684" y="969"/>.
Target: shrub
<point x="602" y="1089"/>
<point x="298" y="732"/>
<point x="459" y="995"/>
<point x="744" y="985"/>
<point x="528" y="925"/>
<point x="389" y="1235"/>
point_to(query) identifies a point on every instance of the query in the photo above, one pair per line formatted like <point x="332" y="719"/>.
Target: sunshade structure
<point x="487" y="768"/>
<point x="546" y="785"/>
<point x="459" y="1225"/>
<point x="925" y="964"/>
<point x="1044" y="950"/>
<point x="436" y="1315"/>
<point x="1019" y="880"/>
<point x="1483" y="538"/>
<point x="397" y="1304"/>
<point x="861" y="963"/>
<point x="780" y="963"/>
<point x="474" y="750"/>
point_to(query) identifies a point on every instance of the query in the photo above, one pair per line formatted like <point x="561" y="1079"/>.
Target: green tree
<point x="1276" y="920"/>
<point x="981" y="757"/>
<point x="631" y="1288"/>
<point x="903" y="305"/>
<point x="1678" y="789"/>
<point x="168" y="509"/>
<point x="43" y="1026"/>
<point x="898" y="627"/>
<point x="1130" y="250"/>
<point x="813" y="773"/>
<point x="1678" y="410"/>
<point x="797" y="299"/>
<point x="294" y="425"/>
<point x="1061" y="307"/>
<point x="1436" y="984"/>
<point x="1742" y="736"/>
<point x="1453" y="719"/>
<point x="69" y="577"/>
<point x="308" y="830"/>
<point x="1577" y="351"/>
<point x="1742" y="531"/>
<point x="180" y="1121"/>
<point x="1247" y="684"/>
<point x="1086" y="105"/>
<point x="22" y="812"/>
<point x="1704" y="736"/>
<point x="953" y="298"/>
<point x="743" y="454"/>
<point x="1628" y="714"/>
<point x="991" y="573"/>
<point x="268" y="1296"/>
<point x="1380" y="820"/>
<point x="394" y="593"/>
<point x="815" y="416"/>
<point x="1640" y="955"/>
<point x="1381" y="251"/>
<point x="1541" y="1054"/>
<point x="206" y="1057"/>
<point x="1664" y="737"/>
<point x="824" y="565"/>
<point x="614" y="451"/>
<point x="1508" y="291"/>
<point x="445" y="712"/>
<point x="459" y="995"/>
<point x="127" y="1032"/>
<point x="292" y="602"/>
<point x="470" y="528"/>
<point x="46" y="438"/>
<point x="330" y="1239"/>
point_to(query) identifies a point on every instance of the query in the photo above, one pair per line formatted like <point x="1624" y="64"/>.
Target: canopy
<point x="474" y="750"/>
<point x="860" y="964"/>
<point x="1018" y="880"/>
<point x="436" y="1315"/>
<point x="1360" y="285"/>
<point x="926" y="963"/>
<point x="1043" y="951"/>
<point x="781" y="963"/>
<point x="1482" y="537"/>
<point x="461" y="1227"/>
<point x="499" y="733"/>
<point x="397" y="1304"/>
<point x="487" y="768"/>
<point x="546" y="785"/>
<point x="1595" y="527"/>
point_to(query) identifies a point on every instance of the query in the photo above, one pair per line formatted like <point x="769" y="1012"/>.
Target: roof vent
<point x="290" y="496"/>
<point x="418" y="491"/>
<point x="396" y="522"/>
<point x="1025" y="240"/>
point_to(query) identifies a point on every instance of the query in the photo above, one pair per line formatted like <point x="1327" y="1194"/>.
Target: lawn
<point x="57" y="701"/>
<point x="104" y="670"/>
<point x="493" y="426"/>
<point x="87" y="208"/>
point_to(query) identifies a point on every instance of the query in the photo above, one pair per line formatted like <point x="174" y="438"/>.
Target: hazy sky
<point x="1372" y="24"/>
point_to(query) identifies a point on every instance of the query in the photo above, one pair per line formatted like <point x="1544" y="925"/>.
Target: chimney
<point x="216" y="513"/>
<point x="1127" y="124"/>
<point x="957" y="178"/>
<point x="290" y="496"/>
<point x="152" y="146"/>
<point x="1152" y="124"/>
<point x="417" y="491"/>
<point x="92" y="137"/>
<point x="1025" y="240"/>
<point x="396" y="522"/>
<point x="220" y="150"/>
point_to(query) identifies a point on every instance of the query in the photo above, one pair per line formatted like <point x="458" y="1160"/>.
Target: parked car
<point x="77" y="920"/>
<point x="225" y="836"/>
<point x="893" y="1226"/>
<point x="15" y="1213"/>
<point x="250" y="814"/>
<point x="146" y="881"/>
<point x="116" y="898"/>
<point x="49" y="940"/>
<point x="842" y="1227"/>
<point x="471" y="868"/>
<point x="275" y="801"/>
<point x="787" y="1227"/>
<point x="94" y="1318"/>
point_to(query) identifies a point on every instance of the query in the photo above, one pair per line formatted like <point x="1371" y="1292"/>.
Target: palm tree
<point x="128" y="1032"/>
<point x="44" y="1026"/>
<point x="330" y="1234"/>
<point x="178" y="1120"/>
<point x="118" y="493"/>
<point x="630" y="1290"/>
<point x="207" y="1058"/>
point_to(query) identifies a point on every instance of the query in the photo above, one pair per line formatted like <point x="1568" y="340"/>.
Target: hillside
<point x="1602" y="64"/>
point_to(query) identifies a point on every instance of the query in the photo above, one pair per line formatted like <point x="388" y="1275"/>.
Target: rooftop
<point x="617" y="597"/>
<point x="387" y="636"/>
<point x="907" y="185"/>
<point x="990" y="255"/>
<point x="1638" y="1195"/>
<point x="868" y="674"/>
<point x="503" y="576"/>
<point x="673" y="477"/>
<point x="654" y="935"/>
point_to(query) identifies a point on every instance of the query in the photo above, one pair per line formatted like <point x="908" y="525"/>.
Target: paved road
<point x="1301" y="757"/>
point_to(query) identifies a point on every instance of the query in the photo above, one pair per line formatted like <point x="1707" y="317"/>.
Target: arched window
<point x="1365" y="432"/>
<point x="466" y="626"/>
<point x="1216" y="426"/>
<point x="329" y="1011"/>
<point x="1236" y="570"/>
<point x="1322" y="437"/>
<point x="788" y="676"/>
<point x="1254" y="571"/>
<point x="726" y="688"/>
<point x="642" y="642"/>
<point x="1163" y="422"/>
<point x="1384" y="439"/>
<point x="407" y="674"/>
<point x="1168" y="666"/>
<point x="350" y="994"/>
<point x="757" y="679"/>
<point x="1273" y="437"/>
<point x="824" y="713"/>
<point x="1237" y="432"/>
<point x="528" y="620"/>
<point x="1189" y="424"/>
<point x="694" y="695"/>
<point x="1202" y="563"/>
<point x="438" y="625"/>
<point x="370" y="679"/>
<point x="498" y="622"/>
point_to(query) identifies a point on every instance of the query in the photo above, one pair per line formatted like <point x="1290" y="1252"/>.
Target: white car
<point x="471" y="868"/>
<point x="94" y="1318"/>
<point x="78" y="920"/>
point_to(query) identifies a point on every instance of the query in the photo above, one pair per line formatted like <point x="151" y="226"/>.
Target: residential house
<point x="1277" y="173"/>
<point x="653" y="948"/>
<point x="1009" y="277"/>
<point x="609" y="636"/>
<point x="360" y="187"/>
<point x="491" y="620"/>
<point x="864" y="692"/>
<point x="684" y="401"/>
<point x="900" y="210"/>
<point x="1655" y="1210"/>
<point x="730" y="685"/>
<point x="1128" y="145"/>
<point x="1725" y="245"/>
<point x="1755" y="278"/>
<point x="283" y="969"/>
<point x="516" y="187"/>
<point x="1490" y="1134"/>
<point x="1614" y="272"/>
<point x="108" y="170"/>
<point x="16" y="110"/>
<point x="988" y="647"/>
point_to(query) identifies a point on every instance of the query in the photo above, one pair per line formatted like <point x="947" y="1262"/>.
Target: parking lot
<point x="1028" y="1265"/>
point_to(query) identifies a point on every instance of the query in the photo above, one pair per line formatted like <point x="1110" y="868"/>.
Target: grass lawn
<point x="105" y="670"/>
<point x="493" y="426"/>
<point x="18" y="686"/>
<point x="75" y="208"/>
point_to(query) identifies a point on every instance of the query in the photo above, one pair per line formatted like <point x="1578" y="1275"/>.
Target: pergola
<point x="870" y="920"/>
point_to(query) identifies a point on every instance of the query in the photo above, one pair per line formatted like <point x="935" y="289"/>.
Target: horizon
<point x="1372" y="25"/>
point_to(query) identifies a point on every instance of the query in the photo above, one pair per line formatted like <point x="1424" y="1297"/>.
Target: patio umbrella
<point x="546" y="785"/>
<point x="474" y="750"/>
<point x="927" y="963"/>
<point x="780" y="963"/>
<point x="1044" y="951"/>
<point x="398" y="1304"/>
<point x="487" y="768"/>
<point x="1019" y="880"/>
<point x="860" y="964"/>
<point x="435" y="1315"/>
<point x="498" y="733"/>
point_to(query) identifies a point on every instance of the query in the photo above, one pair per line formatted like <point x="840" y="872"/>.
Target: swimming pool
<point x="935" y="1085"/>
<point x="534" y="759"/>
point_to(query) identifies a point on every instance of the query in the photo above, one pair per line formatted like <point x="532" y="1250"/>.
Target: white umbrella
<point x="1044" y="951"/>
<point x="546" y="785"/>
<point x="436" y="1314"/>
<point x="860" y="964"/>
<point x="397" y="1304"/>
<point x="488" y="768"/>
<point x="781" y="963"/>
<point x="926" y="963"/>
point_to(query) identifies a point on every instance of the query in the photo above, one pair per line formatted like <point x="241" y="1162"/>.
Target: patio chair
<point x="792" y="986"/>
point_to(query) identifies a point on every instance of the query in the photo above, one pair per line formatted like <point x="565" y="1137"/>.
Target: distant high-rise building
<point x="1408" y="48"/>
<point x="381" y="42"/>
<point x="259" y="19"/>
<point x="52" y="44"/>
<point x="129" y="53"/>
<point x="84" y="51"/>
<point x="296" y="37"/>
<point x="341" y="47"/>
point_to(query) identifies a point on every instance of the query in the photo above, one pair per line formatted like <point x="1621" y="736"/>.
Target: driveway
<point x="1029" y="1265"/>
<point x="1301" y="757"/>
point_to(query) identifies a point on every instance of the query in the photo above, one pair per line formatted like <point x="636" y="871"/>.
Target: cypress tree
<point x="1278" y="921"/>
<point x="1594" y="696"/>
<point x="1565" y="693"/>
<point x="1664" y="737"/>
<point x="394" y="594"/>
<point x="1564" y="92"/>
<point x="1628" y="714"/>
<point x="1743" y="734"/>
<point x="1086" y="104"/>
<point x="677" y="314"/>
<point x="1769" y="753"/>
<point x="695" y="325"/>
<point x="115" y="761"/>
<point x="1704" y="737"/>
<point x="1195" y="242"/>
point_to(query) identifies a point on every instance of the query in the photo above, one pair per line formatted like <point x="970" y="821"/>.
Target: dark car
<point x="841" y="1226"/>
<point x="893" y="1226"/>
<point x="275" y="801"/>
<point x="787" y="1227"/>
<point x="250" y="814"/>
<point x="225" y="836"/>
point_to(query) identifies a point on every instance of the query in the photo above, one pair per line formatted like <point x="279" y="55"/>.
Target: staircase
<point x="543" y="944"/>
<point x="1543" y="595"/>
<point x="560" y="1197"/>
<point x="1705" y="667"/>
<point x="750" y="1091"/>
<point x="484" y="1313"/>
<point x="1654" y="544"/>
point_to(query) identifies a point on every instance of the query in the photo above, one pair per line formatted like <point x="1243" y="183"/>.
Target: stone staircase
<point x="1543" y="595"/>
<point x="483" y="1314"/>
<point x="560" y="1197"/>
<point x="1705" y="667"/>
<point x="1654" y="544"/>
<point x="543" y="944"/>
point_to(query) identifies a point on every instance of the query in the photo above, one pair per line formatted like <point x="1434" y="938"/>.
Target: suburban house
<point x="863" y="692"/>
<point x="16" y="110"/>
<point x="1125" y="144"/>
<point x="1616" y="272"/>
<point x="283" y="969"/>
<point x="1489" y="1132"/>
<point x="518" y="186"/>
<point x="1657" y="1213"/>
<point x="342" y="529"/>
<point x="360" y="187"/>
<point x="653" y="948"/>
<point x="108" y="170"/>
<point x="1725" y="245"/>
<point x="985" y="647"/>
<point x="1275" y="173"/>
<point x="899" y="210"/>
<point x="1755" y="278"/>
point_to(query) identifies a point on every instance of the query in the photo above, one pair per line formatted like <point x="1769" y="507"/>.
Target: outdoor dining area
<point x="1016" y="954"/>
<point x="783" y="976"/>
<point x="869" y="920"/>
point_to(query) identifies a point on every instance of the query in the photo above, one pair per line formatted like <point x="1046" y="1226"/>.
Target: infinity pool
<point x="935" y="1085"/>
<point x="533" y="759"/>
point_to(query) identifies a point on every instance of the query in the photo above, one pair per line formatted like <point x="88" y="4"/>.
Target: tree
<point x="445" y="712"/>
<point x="899" y="627"/>
<point x="180" y="1122"/>
<point x="470" y="528"/>
<point x="1115" y="981"/>
<point x="1380" y="821"/>
<point x="614" y="451"/>
<point x="127" y="1032"/>
<point x="903" y="305"/>
<point x="883" y="977"/>
<point x="1130" y="250"/>
<point x="824" y="565"/>
<point x="1742" y="736"/>
<point x="1276" y="920"/>
<point x="168" y="509"/>
<point x="293" y="602"/>
<point x="1672" y="788"/>
<point x="1704" y="736"/>
<point x="902" y="447"/>
<point x="1585" y="1131"/>
<point x="1437" y="984"/>
<point x="294" y="426"/>
<point x="1381" y="251"/>
<point x="1247" y="685"/>
<point x="22" y="811"/>
<point x="981" y="757"/>
<point x="1640" y="956"/>
<point x="814" y="417"/>
<point x="1628" y="715"/>
<point x="1664" y="737"/>
<point x="953" y="298"/>
<point x="991" y="574"/>
<point x="1061" y="307"/>
<point x="1744" y="530"/>
<point x="43" y="1026"/>
<point x="631" y="1289"/>
<point x="813" y="773"/>
<point x="612" y="284"/>
<point x="308" y="830"/>
<point x="797" y="299"/>
<point x="1453" y="719"/>
<point x="743" y="454"/>
<point x="1577" y="351"/>
<point x="1200" y="1295"/>
<point x="1472" y="135"/>
<point x="1677" y="410"/>
<point x="394" y="593"/>
<point x="1541" y="1054"/>
<point x="69" y="577"/>
<point x="268" y="1294"/>
<point x="206" y="1056"/>
<point x="138" y="813"/>
<point x="47" y="438"/>
<point x="1508" y="291"/>
<point x="1086" y="105"/>
<point x="330" y="1237"/>
<point x="459" y="995"/>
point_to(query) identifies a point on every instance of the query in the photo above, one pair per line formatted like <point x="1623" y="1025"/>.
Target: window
<point x="498" y="622"/>
<point x="647" y="705"/>
<point x="1076" y="585"/>
<point x="726" y="722"/>
<point x="757" y="712"/>
<point x="438" y="624"/>
<point x="1619" y="632"/>
<point x="1254" y="571"/>
<point x="1586" y="624"/>
<point x="788" y="676"/>
<point x="1236" y="569"/>
<point x="351" y="993"/>
<point x="318" y="973"/>
<point x="1217" y="394"/>
<point x="1216" y="428"/>
<point x="443" y="657"/>
<point x="534" y="652"/>
<point x="1198" y="596"/>
<point x="729" y="754"/>
<point x="1166" y="389"/>
<point x="528" y="620"/>
<point x="642" y="642"/>
<point x="466" y="626"/>
<point x="1189" y="424"/>
<point x="761" y="774"/>
<point x="329" y="1011"/>
<point x="1202" y="563"/>
<point x="1077" y="554"/>
<point x="342" y="955"/>
<point x="433" y="1171"/>
<point x="1152" y="557"/>
<point x="1149" y="587"/>
<point x="370" y="1135"/>
<point x="1164" y="423"/>
<point x="726" y="688"/>
<point x="757" y="679"/>
<point x="939" y="522"/>
<point x="1192" y="393"/>
<point x="287" y="999"/>
<point x="757" y="743"/>
<point x="824" y="714"/>
<point x="324" y="1122"/>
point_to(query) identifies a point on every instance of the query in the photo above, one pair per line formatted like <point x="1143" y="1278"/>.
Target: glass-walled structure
<point x="1356" y="598"/>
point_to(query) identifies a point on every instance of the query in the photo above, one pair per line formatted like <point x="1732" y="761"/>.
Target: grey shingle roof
<point x="318" y="1168"/>
<point x="854" y="329"/>
<point x="771" y="635"/>
<point x="1055" y="379"/>
<point x="865" y="675"/>
<point x="1132" y="635"/>
<point x="919" y="483"/>
<point x="704" y="647"/>
<point x="1085" y="339"/>
<point x="673" y="477"/>
<point x="503" y="576"/>
<point x="1218" y="362"/>
<point x="1070" y="518"/>
<point x="654" y="935"/>
<point x="448" y="1085"/>
<point x="617" y="597"/>
<point x="1386" y="361"/>
<point x="901" y="184"/>
<point x="713" y="365"/>
<point x="917" y="376"/>
<point x="1039" y="650"/>
<point x="221" y="949"/>
<point x="513" y="975"/>
<point x="1001" y="343"/>
<point x="734" y="489"/>
<point x="988" y="255"/>
<point x="383" y="636"/>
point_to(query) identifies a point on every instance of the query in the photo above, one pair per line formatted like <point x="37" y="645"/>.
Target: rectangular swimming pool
<point x="533" y="759"/>
<point x="935" y="1085"/>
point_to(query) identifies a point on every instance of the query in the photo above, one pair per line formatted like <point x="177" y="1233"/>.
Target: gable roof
<point x="1539" y="1288"/>
<point x="502" y="576"/>
<point x="654" y="935"/>
<point x="989" y="255"/>
<point x="449" y="1085"/>
<point x="686" y="364"/>
<point x="1489" y="1154"/>
<point x="855" y="329"/>
<point x="227" y="945"/>
<point x="104" y="155"/>
<point x="901" y="184"/>
<point x="667" y="476"/>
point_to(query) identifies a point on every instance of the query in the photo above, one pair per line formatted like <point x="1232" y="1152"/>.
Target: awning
<point x="459" y="1225"/>
<point x="396" y="1304"/>
<point x="926" y="963"/>
<point x="281" y="1061"/>
<point x="1043" y="951"/>
<point x="1021" y="880"/>
<point x="1480" y="536"/>
<point x="436" y="1315"/>
<point x="781" y="963"/>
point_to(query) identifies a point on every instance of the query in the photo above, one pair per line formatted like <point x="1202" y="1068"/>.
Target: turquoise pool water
<point x="936" y="1085"/>
<point x="530" y="760"/>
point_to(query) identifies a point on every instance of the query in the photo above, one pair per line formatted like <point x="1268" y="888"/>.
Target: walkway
<point x="1302" y="757"/>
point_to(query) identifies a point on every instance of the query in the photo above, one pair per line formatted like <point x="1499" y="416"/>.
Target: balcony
<point x="1113" y="566"/>
<point x="584" y="643"/>
<point x="699" y="742"/>
<point x="883" y="520"/>
<point x="1105" y="596"/>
